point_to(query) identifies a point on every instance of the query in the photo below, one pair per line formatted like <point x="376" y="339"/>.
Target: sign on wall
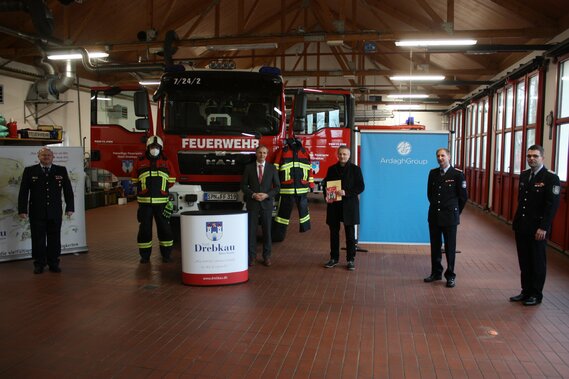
<point x="15" y="237"/>
<point x="395" y="165"/>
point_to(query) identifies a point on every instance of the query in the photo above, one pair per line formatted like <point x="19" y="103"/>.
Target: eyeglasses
<point x="533" y="155"/>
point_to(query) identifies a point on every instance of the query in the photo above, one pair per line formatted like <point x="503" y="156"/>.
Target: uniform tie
<point x="46" y="170"/>
<point x="531" y="176"/>
<point x="442" y="171"/>
<point x="260" y="173"/>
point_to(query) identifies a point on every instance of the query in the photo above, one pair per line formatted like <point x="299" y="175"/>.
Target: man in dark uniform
<point x="538" y="200"/>
<point x="446" y="191"/>
<point x="153" y="176"/>
<point x="40" y="201"/>
<point x="260" y="183"/>
<point x="343" y="206"/>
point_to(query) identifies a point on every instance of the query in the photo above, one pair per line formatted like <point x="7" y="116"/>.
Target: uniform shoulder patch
<point x="552" y="172"/>
<point x="556" y="190"/>
<point x="464" y="184"/>
<point x="458" y="169"/>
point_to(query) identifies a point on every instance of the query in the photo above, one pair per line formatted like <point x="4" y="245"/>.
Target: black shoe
<point x="532" y="300"/>
<point x="331" y="263"/>
<point x="351" y="266"/>
<point x="54" y="269"/>
<point x="520" y="297"/>
<point x="144" y="260"/>
<point x="432" y="278"/>
<point x="38" y="270"/>
<point x="451" y="283"/>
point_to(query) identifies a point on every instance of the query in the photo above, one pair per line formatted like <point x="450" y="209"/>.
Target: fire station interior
<point x="105" y="315"/>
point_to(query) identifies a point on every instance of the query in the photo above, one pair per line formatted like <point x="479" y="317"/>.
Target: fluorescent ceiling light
<point x="61" y="56"/>
<point x="408" y="96"/>
<point x="246" y="46"/>
<point x="335" y="42"/>
<point x="437" y="42"/>
<point x="149" y="82"/>
<point x="417" y="77"/>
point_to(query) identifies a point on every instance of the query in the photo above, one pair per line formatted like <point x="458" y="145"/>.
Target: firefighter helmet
<point x="154" y="140"/>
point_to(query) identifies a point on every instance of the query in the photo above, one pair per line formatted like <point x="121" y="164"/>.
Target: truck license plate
<point x="217" y="196"/>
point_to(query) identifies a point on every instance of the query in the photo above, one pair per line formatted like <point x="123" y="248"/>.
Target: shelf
<point x="27" y="141"/>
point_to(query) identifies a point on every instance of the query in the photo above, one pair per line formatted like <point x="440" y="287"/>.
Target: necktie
<point x="260" y="173"/>
<point x="531" y="176"/>
<point x="46" y="170"/>
<point x="442" y="172"/>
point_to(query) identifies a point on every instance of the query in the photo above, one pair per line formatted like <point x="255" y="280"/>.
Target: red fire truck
<point x="211" y="121"/>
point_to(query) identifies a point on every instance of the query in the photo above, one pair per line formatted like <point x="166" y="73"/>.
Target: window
<point x="532" y="100"/>
<point x="520" y="101"/>
<point x="561" y="160"/>
<point x="564" y="91"/>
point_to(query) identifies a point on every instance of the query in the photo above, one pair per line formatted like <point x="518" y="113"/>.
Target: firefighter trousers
<point x="145" y="214"/>
<point x="280" y="223"/>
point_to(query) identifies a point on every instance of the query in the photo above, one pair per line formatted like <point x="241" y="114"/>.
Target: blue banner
<point x="395" y="165"/>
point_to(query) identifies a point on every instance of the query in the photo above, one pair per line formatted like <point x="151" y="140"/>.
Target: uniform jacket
<point x="447" y="196"/>
<point x="40" y="195"/>
<point x="153" y="178"/>
<point x="538" y="201"/>
<point x="353" y="184"/>
<point x="269" y="185"/>
<point x="294" y="167"/>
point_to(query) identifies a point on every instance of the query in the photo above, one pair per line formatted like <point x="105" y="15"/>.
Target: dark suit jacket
<point x="538" y="201"/>
<point x="40" y="195"/>
<point x="447" y="196"/>
<point x="250" y="185"/>
<point x="348" y="209"/>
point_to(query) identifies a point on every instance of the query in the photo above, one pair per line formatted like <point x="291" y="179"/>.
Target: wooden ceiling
<point x="318" y="43"/>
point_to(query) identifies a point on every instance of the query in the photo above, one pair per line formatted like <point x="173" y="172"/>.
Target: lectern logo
<point x="214" y="230"/>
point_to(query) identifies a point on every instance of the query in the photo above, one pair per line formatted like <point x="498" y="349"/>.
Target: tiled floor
<point x="106" y="316"/>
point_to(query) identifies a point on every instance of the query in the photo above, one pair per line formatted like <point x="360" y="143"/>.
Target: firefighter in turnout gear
<point x="153" y="177"/>
<point x="295" y="172"/>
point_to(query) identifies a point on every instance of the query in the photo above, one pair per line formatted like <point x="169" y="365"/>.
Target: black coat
<point x="447" y="196"/>
<point x="348" y="209"/>
<point x="40" y="195"/>
<point x="537" y="201"/>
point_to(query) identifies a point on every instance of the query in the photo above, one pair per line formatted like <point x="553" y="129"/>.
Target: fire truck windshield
<point x="217" y="103"/>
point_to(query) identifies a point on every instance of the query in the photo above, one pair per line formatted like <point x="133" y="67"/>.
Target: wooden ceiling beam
<point x="437" y="20"/>
<point x="526" y="12"/>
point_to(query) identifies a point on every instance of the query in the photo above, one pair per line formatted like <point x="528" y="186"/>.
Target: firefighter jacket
<point x="153" y="178"/>
<point x="294" y="167"/>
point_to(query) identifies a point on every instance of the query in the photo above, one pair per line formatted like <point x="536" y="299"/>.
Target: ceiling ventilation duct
<point x="51" y="85"/>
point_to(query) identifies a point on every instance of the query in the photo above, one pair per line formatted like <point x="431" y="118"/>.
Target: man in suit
<point x="346" y="209"/>
<point x="538" y="200"/>
<point x="260" y="183"/>
<point x="447" y="196"/>
<point x="40" y="200"/>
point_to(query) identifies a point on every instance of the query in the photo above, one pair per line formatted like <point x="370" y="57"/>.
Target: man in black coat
<point x="343" y="206"/>
<point x="260" y="183"/>
<point x="446" y="191"/>
<point x="538" y="200"/>
<point x="40" y="200"/>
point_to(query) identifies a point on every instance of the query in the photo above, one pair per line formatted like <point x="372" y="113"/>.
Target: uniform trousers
<point x="533" y="262"/>
<point x="437" y="233"/>
<point x="46" y="241"/>
<point x="281" y="222"/>
<point x="145" y="215"/>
